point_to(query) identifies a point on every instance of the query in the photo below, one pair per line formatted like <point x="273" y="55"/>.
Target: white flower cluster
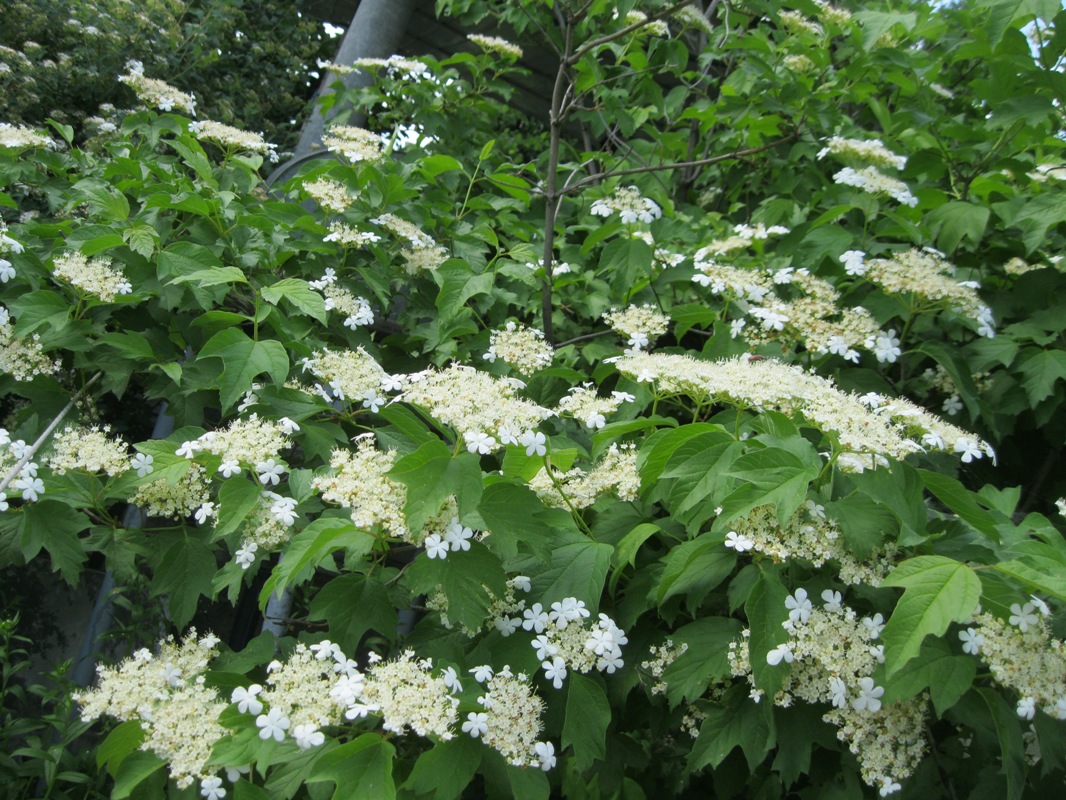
<point x="520" y="347"/>
<point x="926" y="274"/>
<point x="19" y="137"/>
<point x="616" y="472"/>
<point x="642" y="324"/>
<point x="266" y="528"/>
<point x="870" y="152"/>
<point x="692" y="17"/>
<point x="457" y="396"/>
<point x="494" y="44"/>
<point x="358" y="480"/>
<point x="161" y="498"/>
<point x="566" y="642"/>
<point x="627" y="202"/>
<point x="795" y="22"/>
<point x="155" y="93"/>
<point x="244" y="443"/>
<point x="742" y="238"/>
<point x="393" y="65"/>
<point x="7" y="246"/>
<point x="22" y="359"/>
<point x="356" y="310"/>
<point x="511" y="721"/>
<point x="655" y="28"/>
<point x="444" y="533"/>
<point x="830" y="13"/>
<point x="583" y="403"/>
<point x="833" y="658"/>
<point x="872" y="181"/>
<point x="331" y="195"/>
<point x="350" y="376"/>
<point x="1023" y="656"/>
<point x="348" y="236"/>
<point x="355" y="144"/>
<point x="662" y="656"/>
<point x="95" y="276"/>
<point x="166" y="693"/>
<point x="862" y="430"/>
<point x="407" y="696"/>
<point x="27" y="482"/>
<point x="423" y="252"/>
<point x="87" y="450"/>
<point x="808" y="535"/>
<point x="234" y="139"/>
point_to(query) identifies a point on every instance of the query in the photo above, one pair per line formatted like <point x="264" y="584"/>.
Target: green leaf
<point x="311" y="546"/>
<point x="1011" y="744"/>
<point x="306" y="300"/>
<point x="242" y="790"/>
<point x="937" y="592"/>
<point x="103" y="200"/>
<point x="445" y="769"/>
<point x="470" y="580"/>
<point x="736" y="722"/>
<point x="765" y="610"/>
<point x="184" y="574"/>
<point x="359" y="769"/>
<point x="956" y="497"/>
<point x="947" y="676"/>
<point x="237" y="497"/>
<point x="1038" y="215"/>
<point x="431" y="474"/>
<point x="55" y="527"/>
<point x="244" y="360"/>
<point x="458" y="283"/>
<point x="957" y="368"/>
<point x="771" y="476"/>
<point x="1040" y="371"/>
<point x="121" y="742"/>
<point x="864" y="523"/>
<point x="142" y="238"/>
<point x="212" y="277"/>
<point x="432" y="166"/>
<point x="513" y="514"/>
<point x="337" y="600"/>
<point x="695" y="568"/>
<point x="486" y="150"/>
<point x="705" y="661"/>
<point x="587" y="716"/>
<point x="134" y="770"/>
<point x="877" y="23"/>
<point x="957" y="220"/>
<point x="624" y="262"/>
<point x="625" y="552"/>
<point x="577" y="569"/>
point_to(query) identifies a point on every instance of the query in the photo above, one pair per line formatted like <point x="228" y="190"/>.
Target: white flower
<point x="800" y="606"/>
<point x="783" y="652"/>
<point x="839" y="690"/>
<point x="479" y="442"/>
<point x="372" y="401"/>
<point x="853" y="262"/>
<point x="534" y="442"/>
<point x="1023" y="616"/>
<point x="567" y="610"/>
<point x="391" y="383"/>
<point x="204" y="512"/>
<point x="325" y="650"/>
<point x="451" y="679"/>
<point x="246" y="555"/>
<point x="273" y="724"/>
<point x="738" y="542"/>
<point x="246" y="700"/>
<point x="736" y="327"/>
<point x="878" y="653"/>
<point x="521" y="582"/>
<point x="1040" y="605"/>
<point x="623" y="397"/>
<point x="482" y="673"/>
<point x="308" y="736"/>
<point x="968" y="448"/>
<point x="610" y="662"/>
<point x="7" y="272"/>
<point x="971" y="641"/>
<point x="476" y="724"/>
<point x="458" y="536"/>
<point x="269" y="472"/>
<point x="3" y="501"/>
<point x="536" y="618"/>
<point x="230" y="468"/>
<point x="32" y="488"/>
<point x="143" y="464"/>
<point x="546" y="754"/>
<point x="211" y="788"/>
<point x="869" y="696"/>
<point x="545" y="649"/>
<point x="1027" y="707"/>
<point x="886" y="347"/>
<point x="874" y="624"/>
<point x="189" y="449"/>
<point x="507" y="625"/>
<point x="888" y="786"/>
<point x="595" y="421"/>
<point x="233" y="774"/>
<point x="288" y="426"/>
<point x="555" y="671"/>
<point x="436" y="547"/>
<point x="284" y="511"/>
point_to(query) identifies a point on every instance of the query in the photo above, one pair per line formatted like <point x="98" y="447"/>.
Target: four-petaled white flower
<point x="534" y="442"/>
<point x="521" y="582"/>
<point x="476" y="724"/>
<point x="325" y="650"/>
<point x="535" y="618"/>
<point x="143" y="464"/>
<point x="284" y="511"/>
<point x="288" y="426"/>
<point x="968" y="448"/>
<point x="436" y="547"/>
<point x="783" y="652"/>
<point x="869" y="698"/>
<point x="479" y="442"/>
<point x="971" y="641"/>
<point x="888" y="786"/>
<point x="595" y="421"/>
<point x="451" y="679"/>
<point x="507" y="625"/>
<point x="799" y="606"/>
<point x="372" y="401"/>
<point x="545" y="754"/>
<point x="874" y="624"/>
<point x="246" y="555"/>
<point x="738" y="542"/>
<point x="555" y="671"/>
<point x="189" y="449"/>
<point x="1040" y="605"/>
<point x="230" y="468"/>
<point x="31" y="488"/>
<point x="272" y="724"/>
<point x="269" y="472"/>
<point x="246" y="700"/>
<point x="839" y="690"/>
<point x="482" y="673"/>
<point x="211" y="788"/>
<point x="391" y="383"/>
<point x="308" y="736"/>
<point x="457" y="535"/>
<point x="609" y="662"/>
<point x="545" y="649"/>
<point x="1023" y="616"/>
<point x="204" y="512"/>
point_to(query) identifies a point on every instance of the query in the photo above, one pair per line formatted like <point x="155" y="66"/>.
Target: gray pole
<point x="375" y="32"/>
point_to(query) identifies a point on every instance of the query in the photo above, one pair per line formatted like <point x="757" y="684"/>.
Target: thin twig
<point x="584" y="338"/>
<point x="610" y="37"/>
<point x="31" y="451"/>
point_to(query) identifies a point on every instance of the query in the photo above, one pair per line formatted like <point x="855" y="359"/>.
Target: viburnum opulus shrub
<point x="634" y="452"/>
